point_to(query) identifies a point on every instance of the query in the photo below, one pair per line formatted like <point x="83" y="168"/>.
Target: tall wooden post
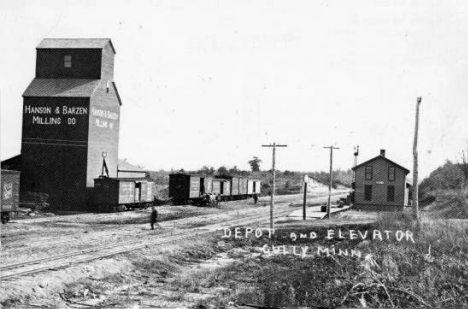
<point x="272" y="201"/>
<point x="331" y="179"/>
<point x="415" y="163"/>
<point x="305" y="198"/>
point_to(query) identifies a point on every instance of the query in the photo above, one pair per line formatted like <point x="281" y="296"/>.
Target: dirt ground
<point x="152" y="277"/>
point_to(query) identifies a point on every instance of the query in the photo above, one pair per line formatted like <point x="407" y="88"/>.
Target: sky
<point x="209" y="82"/>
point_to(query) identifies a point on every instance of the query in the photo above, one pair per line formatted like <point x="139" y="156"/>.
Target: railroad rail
<point x="69" y="259"/>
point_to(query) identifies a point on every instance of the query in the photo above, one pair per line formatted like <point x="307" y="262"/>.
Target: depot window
<point x="390" y="193"/>
<point x="369" y="172"/>
<point x="368" y="192"/>
<point x="67" y="61"/>
<point x="391" y="173"/>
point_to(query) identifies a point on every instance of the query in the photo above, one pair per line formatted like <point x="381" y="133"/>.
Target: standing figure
<point x="218" y="200"/>
<point x="154" y="217"/>
<point x="255" y="198"/>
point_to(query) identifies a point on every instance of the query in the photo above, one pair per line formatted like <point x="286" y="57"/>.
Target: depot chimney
<point x="382" y="152"/>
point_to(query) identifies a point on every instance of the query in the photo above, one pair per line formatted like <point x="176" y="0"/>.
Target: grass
<point x="431" y="272"/>
<point x="448" y="205"/>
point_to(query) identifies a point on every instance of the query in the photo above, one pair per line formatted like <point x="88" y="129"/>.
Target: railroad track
<point x="14" y="243"/>
<point x="73" y="258"/>
<point x="69" y="259"/>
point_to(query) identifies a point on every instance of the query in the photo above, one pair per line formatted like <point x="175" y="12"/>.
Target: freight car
<point x="188" y="188"/>
<point x="241" y="187"/>
<point x="222" y="187"/>
<point x="120" y="194"/>
<point x="10" y="193"/>
<point x="191" y="189"/>
<point x="253" y="186"/>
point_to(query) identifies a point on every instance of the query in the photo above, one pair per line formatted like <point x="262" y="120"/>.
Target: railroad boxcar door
<point x="137" y="191"/>
<point x="202" y="186"/>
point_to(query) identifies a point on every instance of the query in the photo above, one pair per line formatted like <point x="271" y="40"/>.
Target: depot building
<point x="380" y="184"/>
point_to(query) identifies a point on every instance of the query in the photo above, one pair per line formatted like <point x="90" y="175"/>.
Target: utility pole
<point x="272" y="202"/>
<point x="306" y="179"/>
<point x="353" y="186"/>
<point x="356" y="154"/>
<point x="415" y="163"/>
<point x="331" y="179"/>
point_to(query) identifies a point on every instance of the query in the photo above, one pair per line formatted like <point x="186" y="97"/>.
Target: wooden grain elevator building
<point x="71" y="117"/>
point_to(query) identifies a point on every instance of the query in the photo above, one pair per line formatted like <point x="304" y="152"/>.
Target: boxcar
<point x="250" y="186"/>
<point x="257" y="186"/>
<point x="238" y="186"/>
<point x="187" y="189"/>
<point x="226" y="189"/>
<point x="206" y="184"/>
<point x="243" y="187"/>
<point x="253" y="186"/>
<point x="10" y="181"/>
<point x="222" y="187"/>
<point x="145" y="189"/>
<point x="118" y="194"/>
<point x="217" y="185"/>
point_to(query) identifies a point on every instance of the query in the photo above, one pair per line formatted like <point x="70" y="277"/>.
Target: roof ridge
<point x="382" y="157"/>
<point x="61" y="87"/>
<point x="66" y="43"/>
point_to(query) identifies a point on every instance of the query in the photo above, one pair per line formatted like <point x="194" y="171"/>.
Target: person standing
<point x="255" y="198"/>
<point x="154" y="217"/>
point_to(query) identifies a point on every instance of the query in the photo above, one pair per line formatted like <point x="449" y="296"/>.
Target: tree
<point x="255" y="164"/>
<point x="207" y="170"/>
<point x="222" y="170"/>
<point x="463" y="164"/>
<point x="234" y="170"/>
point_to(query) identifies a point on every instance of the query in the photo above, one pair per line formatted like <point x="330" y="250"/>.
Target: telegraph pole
<point x="356" y="154"/>
<point x="306" y="179"/>
<point x="415" y="162"/>
<point x="331" y="179"/>
<point x="272" y="202"/>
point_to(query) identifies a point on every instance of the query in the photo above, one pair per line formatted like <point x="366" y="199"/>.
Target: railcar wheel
<point x="5" y="218"/>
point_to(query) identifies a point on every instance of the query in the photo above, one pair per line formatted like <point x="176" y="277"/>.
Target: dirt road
<point x="47" y="243"/>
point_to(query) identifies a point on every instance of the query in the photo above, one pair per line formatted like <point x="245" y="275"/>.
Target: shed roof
<point x="380" y="157"/>
<point x="64" y="87"/>
<point x="61" y="87"/>
<point x="75" y="43"/>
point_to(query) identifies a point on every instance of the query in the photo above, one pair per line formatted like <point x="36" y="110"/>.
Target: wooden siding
<point x="86" y="63"/>
<point x="179" y="187"/>
<point x="54" y="155"/>
<point x="104" y="123"/>
<point x="58" y="170"/>
<point x="107" y="69"/>
<point x="380" y="183"/>
<point x="10" y="190"/>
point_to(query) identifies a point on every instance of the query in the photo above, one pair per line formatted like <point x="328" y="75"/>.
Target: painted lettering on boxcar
<point x="7" y="190"/>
